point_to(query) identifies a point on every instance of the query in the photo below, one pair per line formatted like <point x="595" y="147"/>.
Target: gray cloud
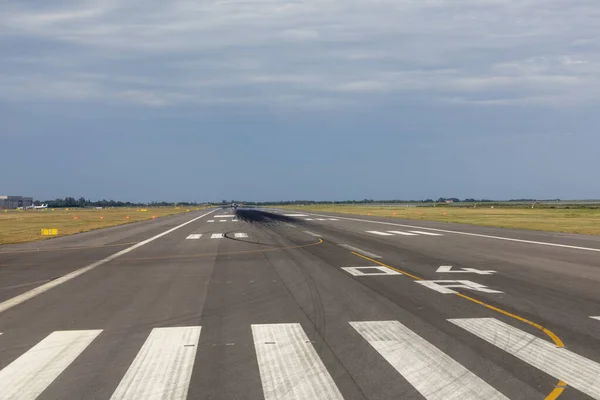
<point x="311" y="53"/>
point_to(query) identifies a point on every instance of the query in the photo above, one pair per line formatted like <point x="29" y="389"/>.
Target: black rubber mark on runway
<point x="262" y="217"/>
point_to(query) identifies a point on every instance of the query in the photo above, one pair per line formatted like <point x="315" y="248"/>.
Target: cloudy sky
<point x="300" y="99"/>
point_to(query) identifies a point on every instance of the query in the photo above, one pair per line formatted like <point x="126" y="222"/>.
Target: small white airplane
<point x="43" y="206"/>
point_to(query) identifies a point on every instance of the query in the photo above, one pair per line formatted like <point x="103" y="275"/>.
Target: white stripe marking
<point x="29" y="375"/>
<point x="321" y="219"/>
<point x="240" y="235"/>
<point x="289" y="366"/>
<point x="309" y="219"/>
<point x="225" y="216"/>
<point x="312" y="234"/>
<point x="598" y="318"/>
<point x="403" y="233"/>
<point x="163" y="367"/>
<point x="380" y="233"/>
<point x="333" y="219"/>
<point x="194" y="236"/>
<point x="471" y="234"/>
<point x="426" y="233"/>
<point x="562" y="364"/>
<point x="234" y="220"/>
<point x="222" y="220"/>
<point x="357" y="250"/>
<point x="433" y="373"/>
<point x="211" y="220"/>
<point x="216" y="236"/>
<point x="360" y="271"/>
<point x="10" y="303"/>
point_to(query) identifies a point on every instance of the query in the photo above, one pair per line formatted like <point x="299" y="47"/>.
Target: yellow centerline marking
<point x="560" y="386"/>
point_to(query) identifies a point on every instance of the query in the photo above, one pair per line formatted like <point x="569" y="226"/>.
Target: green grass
<point x="25" y="226"/>
<point x="584" y="221"/>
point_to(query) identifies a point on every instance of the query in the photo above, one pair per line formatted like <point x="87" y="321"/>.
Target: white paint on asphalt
<point x="357" y="250"/>
<point x="225" y="216"/>
<point x="448" y="269"/>
<point x="577" y="371"/>
<point x="216" y="236"/>
<point x="194" y="236"/>
<point x="289" y="366"/>
<point x="321" y="219"/>
<point x="309" y="219"/>
<point x="426" y="233"/>
<point x="10" y="303"/>
<point x="429" y="370"/>
<point x="240" y="235"/>
<point x="380" y="233"/>
<point x="403" y="233"/>
<point x="312" y="233"/>
<point x="29" y="375"/>
<point x="378" y="271"/>
<point x="598" y="318"/>
<point x="234" y="220"/>
<point x="333" y="219"/>
<point x="163" y="367"/>
<point x="211" y="220"/>
<point x="442" y="286"/>
<point x="222" y="220"/>
<point x="469" y="234"/>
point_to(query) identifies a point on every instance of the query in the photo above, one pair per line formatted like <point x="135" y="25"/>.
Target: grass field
<point x="25" y="226"/>
<point x="585" y="221"/>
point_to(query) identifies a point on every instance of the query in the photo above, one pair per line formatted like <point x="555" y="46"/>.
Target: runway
<point x="276" y="304"/>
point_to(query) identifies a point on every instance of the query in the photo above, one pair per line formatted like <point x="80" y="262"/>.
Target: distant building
<point x="12" y="202"/>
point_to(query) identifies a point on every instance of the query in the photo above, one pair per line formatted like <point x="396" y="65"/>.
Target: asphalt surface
<point x="292" y="305"/>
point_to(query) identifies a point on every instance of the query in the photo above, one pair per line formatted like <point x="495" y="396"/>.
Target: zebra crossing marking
<point x="163" y="367"/>
<point x="194" y="236"/>
<point x="428" y="369"/>
<point x="29" y="375"/>
<point x="578" y="371"/>
<point x="289" y="366"/>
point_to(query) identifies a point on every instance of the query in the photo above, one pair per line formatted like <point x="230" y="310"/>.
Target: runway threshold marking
<point x="163" y="366"/>
<point x="10" y="303"/>
<point x="29" y="375"/>
<point x="289" y="366"/>
<point x="428" y="369"/>
<point x="557" y="341"/>
<point x="469" y="234"/>
<point x="581" y="373"/>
